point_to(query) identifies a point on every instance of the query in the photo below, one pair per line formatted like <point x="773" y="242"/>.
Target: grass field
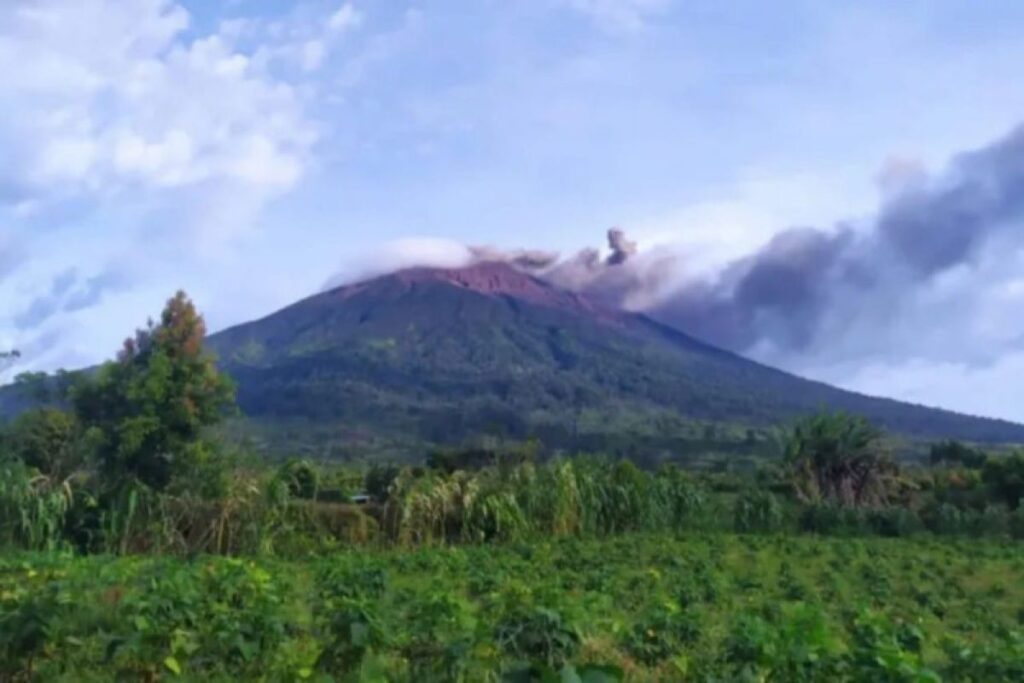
<point x="637" y="607"/>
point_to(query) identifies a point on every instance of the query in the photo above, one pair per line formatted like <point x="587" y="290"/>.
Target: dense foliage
<point x="636" y="608"/>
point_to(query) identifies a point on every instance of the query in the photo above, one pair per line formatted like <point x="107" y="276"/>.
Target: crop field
<point x="717" y="607"/>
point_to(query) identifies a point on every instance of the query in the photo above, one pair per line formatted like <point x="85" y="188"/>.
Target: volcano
<point x="439" y="355"/>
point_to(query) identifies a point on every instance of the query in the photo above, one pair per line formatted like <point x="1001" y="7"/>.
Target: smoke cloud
<point x="622" y="248"/>
<point x="806" y="285"/>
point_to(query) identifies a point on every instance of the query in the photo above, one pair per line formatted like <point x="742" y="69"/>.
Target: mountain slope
<point x="442" y="354"/>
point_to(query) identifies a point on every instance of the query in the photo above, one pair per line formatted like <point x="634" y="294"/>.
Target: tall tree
<point x="150" y="406"/>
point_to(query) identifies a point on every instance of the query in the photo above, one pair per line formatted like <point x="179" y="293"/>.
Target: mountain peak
<point x="488" y="278"/>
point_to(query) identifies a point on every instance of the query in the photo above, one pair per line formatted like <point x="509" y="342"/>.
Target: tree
<point x="837" y="458"/>
<point x="1005" y="478"/>
<point x="951" y="452"/>
<point x="151" y="405"/>
<point x="379" y="479"/>
<point x="48" y="440"/>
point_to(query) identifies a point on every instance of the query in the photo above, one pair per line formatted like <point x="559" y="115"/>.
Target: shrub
<point x="538" y="636"/>
<point x="1017" y="523"/>
<point x="800" y="646"/>
<point x="662" y="633"/>
<point x="885" y="651"/>
<point x="945" y="519"/>
<point x="1002" y="660"/>
<point x="894" y="521"/>
<point x="379" y="478"/>
<point x="757" y="511"/>
<point x="831" y="520"/>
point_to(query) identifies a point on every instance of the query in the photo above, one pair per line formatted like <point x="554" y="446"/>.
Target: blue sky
<point x="249" y="152"/>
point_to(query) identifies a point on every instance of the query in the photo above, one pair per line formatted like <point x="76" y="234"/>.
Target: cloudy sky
<point x="837" y="187"/>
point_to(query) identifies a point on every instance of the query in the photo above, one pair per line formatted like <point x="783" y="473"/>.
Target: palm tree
<point x="838" y="458"/>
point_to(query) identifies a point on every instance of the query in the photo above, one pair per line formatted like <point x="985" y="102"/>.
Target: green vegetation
<point x="636" y="607"/>
<point x="138" y="546"/>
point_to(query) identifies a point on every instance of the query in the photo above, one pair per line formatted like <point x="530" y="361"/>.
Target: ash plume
<point x="809" y="286"/>
<point x="622" y="248"/>
<point x="615" y="279"/>
<point x="808" y="282"/>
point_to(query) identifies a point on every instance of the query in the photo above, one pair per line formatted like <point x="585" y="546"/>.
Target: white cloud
<point x="346" y="18"/>
<point x="111" y="95"/>
<point x="161" y="142"/>
<point x="313" y="54"/>
<point x="734" y="221"/>
<point x="619" y="15"/>
<point x="409" y="252"/>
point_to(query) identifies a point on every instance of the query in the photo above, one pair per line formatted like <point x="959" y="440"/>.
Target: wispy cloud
<point x="619" y="16"/>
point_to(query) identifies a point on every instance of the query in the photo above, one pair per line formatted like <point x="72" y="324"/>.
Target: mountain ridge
<point x="490" y="340"/>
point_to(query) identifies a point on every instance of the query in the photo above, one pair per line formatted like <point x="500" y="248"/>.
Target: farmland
<point x="638" y="607"/>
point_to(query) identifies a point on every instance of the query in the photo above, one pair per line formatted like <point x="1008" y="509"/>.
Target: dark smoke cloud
<point x="622" y="248"/>
<point x="608" y="278"/>
<point x="779" y="293"/>
<point x="934" y="228"/>
<point x="804" y="280"/>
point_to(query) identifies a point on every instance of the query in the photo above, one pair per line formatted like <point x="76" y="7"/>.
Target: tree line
<point x="123" y="458"/>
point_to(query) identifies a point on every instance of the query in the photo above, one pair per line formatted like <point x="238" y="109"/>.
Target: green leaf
<point x="173" y="666"/>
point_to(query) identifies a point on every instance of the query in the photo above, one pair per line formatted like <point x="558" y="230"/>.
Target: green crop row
<point x="631" y="608"/>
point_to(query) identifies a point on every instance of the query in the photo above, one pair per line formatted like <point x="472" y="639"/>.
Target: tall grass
<point x="583" y="497"/>
<point x="32" y="508"/>
<point x="579" y="497"/>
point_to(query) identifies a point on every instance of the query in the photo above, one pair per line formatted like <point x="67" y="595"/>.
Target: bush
<point x="1002" y="660"/>
<point x="661" y="634"/>
<point x="894" y="522"/>
<point x="1017" y="523"/>
<point x="538" y="636"/>
<point x="832" y="520"/>
<point x="799" y="647"/>
<point x="48" y="440"/>
<point x="301" y="478"/>
<point x="379" y="479"/>
<point x="757" y="511"/>
<point x="945" y="519"/>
